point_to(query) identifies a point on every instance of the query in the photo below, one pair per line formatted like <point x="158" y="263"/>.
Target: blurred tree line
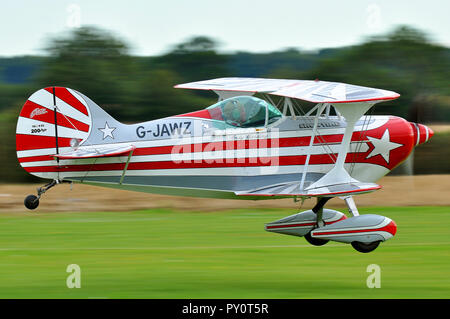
<point x="132" y="89"/>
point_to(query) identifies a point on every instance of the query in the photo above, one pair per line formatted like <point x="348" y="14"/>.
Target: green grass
<point x="169" y="254"/>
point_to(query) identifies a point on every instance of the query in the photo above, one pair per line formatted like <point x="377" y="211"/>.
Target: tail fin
<point x="52" y="120"/>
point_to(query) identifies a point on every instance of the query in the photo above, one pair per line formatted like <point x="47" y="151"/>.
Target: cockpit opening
<point x="244" y="111"/>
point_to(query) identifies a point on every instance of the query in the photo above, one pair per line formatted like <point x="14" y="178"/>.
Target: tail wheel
<point x="31" y="202"/>
<point x="315" y="241"/>
<point x="365" y="247"/>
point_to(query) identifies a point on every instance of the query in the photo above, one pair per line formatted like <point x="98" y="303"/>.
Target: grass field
<point x="170" y="254"/>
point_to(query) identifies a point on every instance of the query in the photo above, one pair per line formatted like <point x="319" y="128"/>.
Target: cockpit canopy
<point x="244" y="111"/>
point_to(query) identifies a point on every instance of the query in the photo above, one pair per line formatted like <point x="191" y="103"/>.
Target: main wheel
<point x="31" y="202"/>
<point x="315" y="241"/>
<point x="365" y="248"/>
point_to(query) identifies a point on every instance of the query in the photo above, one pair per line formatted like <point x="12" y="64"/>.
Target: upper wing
<point x="96" y="151"/>
<point x="293" y="189"/>
<point x="312" y="91"/>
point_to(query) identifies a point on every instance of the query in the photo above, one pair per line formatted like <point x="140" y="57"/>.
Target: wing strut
<point x="126" y="166"/>
<point x="352" y="112"/>
<point x="311" y="142"/>
<point x="351" y="205"/>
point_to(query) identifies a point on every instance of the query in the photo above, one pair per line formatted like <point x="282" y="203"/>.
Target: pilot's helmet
<point x="228" y="109"/>
<point x="233" y="111"/>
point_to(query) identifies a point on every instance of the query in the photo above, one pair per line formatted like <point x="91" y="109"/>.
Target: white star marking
<point x="382" y="146"/>
<point x="107" y="131"/>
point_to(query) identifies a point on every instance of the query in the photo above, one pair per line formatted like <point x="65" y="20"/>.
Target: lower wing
<point x="293" y="189"/>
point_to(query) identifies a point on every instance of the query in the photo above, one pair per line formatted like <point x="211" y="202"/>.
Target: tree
<point x="92" y="61"/>
<point x="195" y="59"/>
<point x="405" y="61"/>
<point x="196" y="44"/>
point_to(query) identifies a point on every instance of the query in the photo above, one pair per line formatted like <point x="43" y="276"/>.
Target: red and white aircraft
<point x="256" y="142"/>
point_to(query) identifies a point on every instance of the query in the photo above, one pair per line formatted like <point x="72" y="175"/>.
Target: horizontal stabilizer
<point x="96" y="151"/>
<point x="293" y="189"/>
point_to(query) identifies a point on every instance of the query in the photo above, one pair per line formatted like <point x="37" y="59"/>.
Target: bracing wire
<point x="362" y="138"/>
<point x="319" y="137"/>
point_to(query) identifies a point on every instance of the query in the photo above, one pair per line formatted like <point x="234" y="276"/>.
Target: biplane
<point x="263" y="139"/>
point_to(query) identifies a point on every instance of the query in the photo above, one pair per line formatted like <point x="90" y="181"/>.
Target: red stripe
<point x="390" y="228"/>
<point x="290" y="225"/>
<point x="304" y="224"/>
<point x="67" y="97"/>
<point x="32" y="142"/>
<point x="204" y="114"/>
<point x="216" y="146"/>
<point x="35" y="158"/>
<point x="49" y="117"/>
<point x="211" y="163"/>
<point x="287" y="160"/>
<point x="244" y="144"/>
<point x="393" y="97"/>
<point x="342" y="218"/>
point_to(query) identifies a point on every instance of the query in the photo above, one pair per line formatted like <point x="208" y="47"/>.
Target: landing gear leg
<point x="318" y="210"/>
<point x="351" y="205"/>
<point x="32" y="201"/>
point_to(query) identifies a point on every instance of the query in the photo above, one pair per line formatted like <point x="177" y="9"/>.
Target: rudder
<point x="51" y="121"/>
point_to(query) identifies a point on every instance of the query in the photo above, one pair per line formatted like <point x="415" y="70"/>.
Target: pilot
<point x="234" y="113"/>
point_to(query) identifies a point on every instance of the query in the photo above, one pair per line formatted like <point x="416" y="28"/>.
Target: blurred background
<point x="127" y="57"/>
